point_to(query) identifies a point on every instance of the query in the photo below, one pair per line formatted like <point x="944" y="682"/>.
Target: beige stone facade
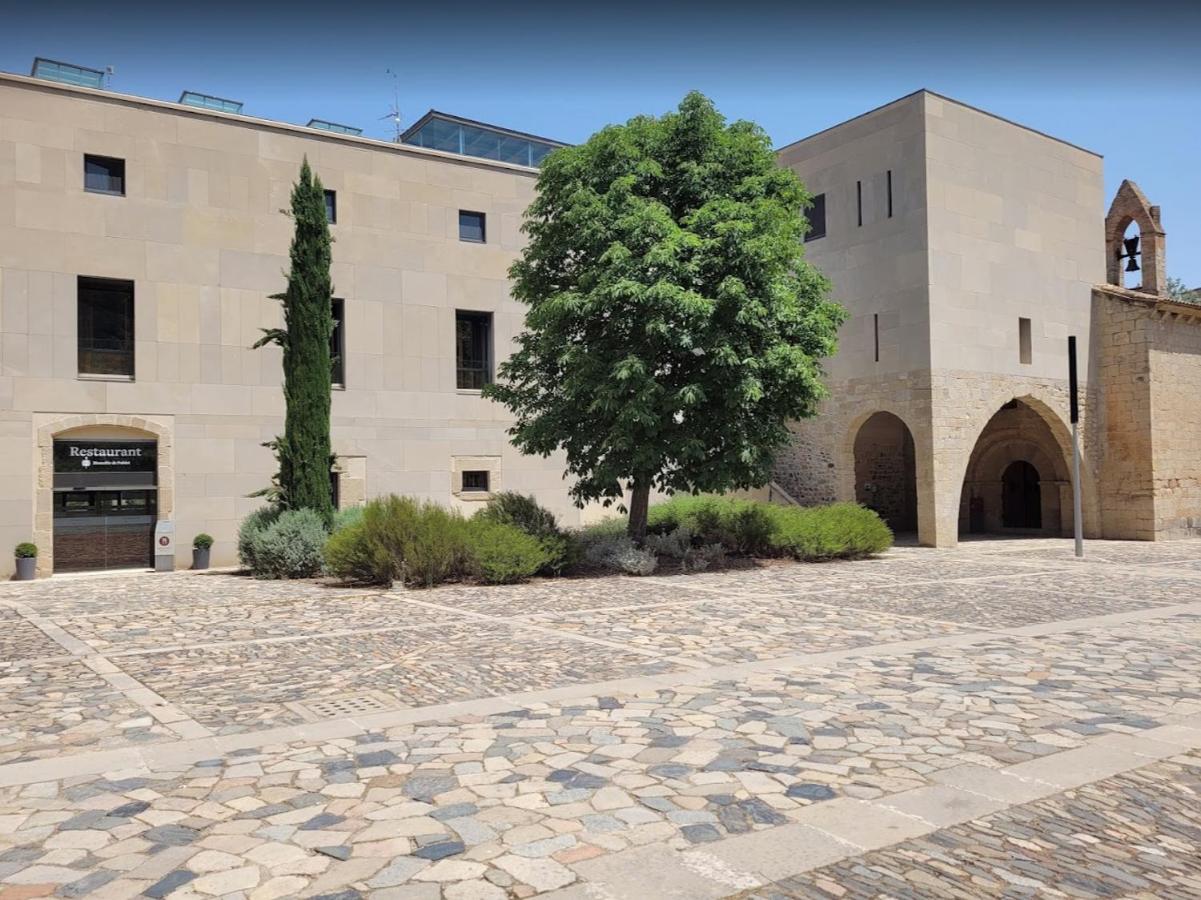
<point x="966" y="250"/>
<point x="199" y="232"/>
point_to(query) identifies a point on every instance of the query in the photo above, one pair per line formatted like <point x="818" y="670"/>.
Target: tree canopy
<point x="303" y="450"/>
<point x="674" y="327"/>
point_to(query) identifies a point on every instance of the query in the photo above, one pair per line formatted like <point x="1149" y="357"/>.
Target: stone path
<point x="997" y="720"/>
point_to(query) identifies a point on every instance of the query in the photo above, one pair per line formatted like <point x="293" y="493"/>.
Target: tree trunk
<point x="640" y="496"/>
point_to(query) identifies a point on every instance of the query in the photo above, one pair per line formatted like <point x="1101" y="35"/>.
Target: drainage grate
<point x="344" y="706"/>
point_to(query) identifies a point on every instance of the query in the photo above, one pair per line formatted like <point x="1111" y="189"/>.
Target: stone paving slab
<point x="1137" y="834"/>
<point x="1006" y="604"/>
<point x="55" y="708"/>
<point x="237" y="687"/>
<point x="257" y="619"/>
<point x="724" y="631"/>
<point x="21" y="639"/>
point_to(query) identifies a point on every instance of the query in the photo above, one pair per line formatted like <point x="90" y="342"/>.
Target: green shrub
<point x="344" y="518"/>
<point x="741" y="526"/>
<point x="838" y="531"/>
<point x="250" y="529"/>
<point x="290" y="546"/>
<point x="351" y="556"/>
<point x="525" y="513"/>
<point x="503" y="553"/>
<point x="401" y="539"/>
<point x="26" y="550"/>
<point x="202" y="541"/>
<point x="437" y="549"/>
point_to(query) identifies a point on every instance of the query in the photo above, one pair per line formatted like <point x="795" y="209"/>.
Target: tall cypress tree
<point x="303" y="451"/>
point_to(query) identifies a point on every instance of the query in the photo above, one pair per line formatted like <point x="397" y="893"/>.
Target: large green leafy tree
<point x="674" y="327"/>
<point x="303" y="451"/>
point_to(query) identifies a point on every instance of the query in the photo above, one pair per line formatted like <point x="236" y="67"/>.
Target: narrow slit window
<point x="337" y="344"/>
<point x="876" y="333"/>
<point x="1024" y="350"/>
<point x="859" y="201"/>
<point x="331" y="206"/>
<point x="889" y="188"/>
<point x="815" y="215"/>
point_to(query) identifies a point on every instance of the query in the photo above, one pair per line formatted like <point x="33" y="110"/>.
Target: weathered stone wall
<point x="1120" y="342"/>
<point x="1175" y="393"/>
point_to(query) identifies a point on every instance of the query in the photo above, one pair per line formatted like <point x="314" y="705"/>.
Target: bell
<point x="1132" y="265"/>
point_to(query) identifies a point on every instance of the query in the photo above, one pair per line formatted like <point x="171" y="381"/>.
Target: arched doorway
<point x="1017" y="478"/>
<point x="1021" y="499"/>
<point x="885" y="470"/>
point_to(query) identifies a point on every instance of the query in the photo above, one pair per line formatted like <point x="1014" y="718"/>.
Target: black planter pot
<point x="27" y="567"/>
<point x="200" y="557"/>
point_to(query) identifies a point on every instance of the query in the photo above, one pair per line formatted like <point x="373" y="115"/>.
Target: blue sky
<point x="1104" y="76"/>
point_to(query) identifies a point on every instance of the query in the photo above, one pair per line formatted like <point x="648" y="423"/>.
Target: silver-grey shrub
<point x="290" y="546"/>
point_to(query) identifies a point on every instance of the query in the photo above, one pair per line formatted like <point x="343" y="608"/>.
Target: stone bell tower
<point x="1144" y="252"/>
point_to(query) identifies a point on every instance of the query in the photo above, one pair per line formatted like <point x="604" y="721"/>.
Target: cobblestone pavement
<point x="996" y="720"/>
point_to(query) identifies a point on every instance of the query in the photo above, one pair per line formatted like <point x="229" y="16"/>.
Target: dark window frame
<point x="472" y="479"/>
<point x="483" y="223"/>
<point x="331" y="206"/>
<point x="890" y="193"/>
<point x="816" y="212"/>
<point x="337" y="344"/>
<point x="111" y="162"/>
<point x="876" y="333"/>
<point x="473" y="377"/>
<point x="1025" y="341"/>
<point x="859" y="201"/>
<point x="85" y="320"/>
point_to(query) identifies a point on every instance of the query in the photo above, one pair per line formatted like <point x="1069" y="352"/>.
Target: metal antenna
<point x="394" y="112"/>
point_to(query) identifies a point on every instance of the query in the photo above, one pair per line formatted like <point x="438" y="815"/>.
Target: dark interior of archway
<point x="885" y="471"/>
<point x="1021" y="504"/>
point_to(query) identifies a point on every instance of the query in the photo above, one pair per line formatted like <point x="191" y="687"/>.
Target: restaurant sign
<point x="86" y="457"/>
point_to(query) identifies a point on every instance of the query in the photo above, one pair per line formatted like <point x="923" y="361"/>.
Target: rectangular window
<point x="876" y="333"/>
<point x="816" y="214"/>
<point x="104" y="175"/>
<point x="859" y="201"/>
<point x="889" y="193"/>
<point x="1024" y="350"/>
<point x="105" y="327"/>
<point x="471" y="227"/>
<point x="335" y="488"/>
<point x="331" y="206"/>
<point x="337" y="344"/>
<point x="473" y="349"/>
<point x="476" y="480"/>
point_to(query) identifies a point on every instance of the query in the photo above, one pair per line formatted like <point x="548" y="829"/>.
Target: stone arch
<point x="885" y="468"/>
<point x="1130" y="205"/>
<point x="94" y="425"/>
<point x="1022" y="430"/>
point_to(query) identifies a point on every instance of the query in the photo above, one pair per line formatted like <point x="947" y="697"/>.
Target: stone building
<point x="966" y="249"/>
<point x="140" y="241"/>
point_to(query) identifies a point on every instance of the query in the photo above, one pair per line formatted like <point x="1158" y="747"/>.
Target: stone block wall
<point x="1174" y="351"/>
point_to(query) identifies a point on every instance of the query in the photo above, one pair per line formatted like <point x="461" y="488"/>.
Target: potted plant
<point x="27" y="561"/>
<point x="201" y="544"/>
